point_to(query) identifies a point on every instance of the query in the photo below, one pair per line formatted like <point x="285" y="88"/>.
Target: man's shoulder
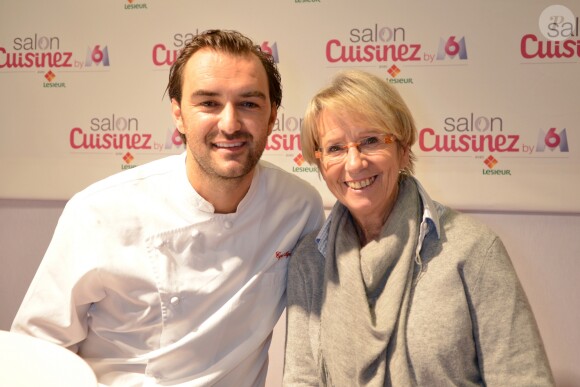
<point x="288" y="192"/>
<point x="129" y="182"/>
<point x="279" y="176"/>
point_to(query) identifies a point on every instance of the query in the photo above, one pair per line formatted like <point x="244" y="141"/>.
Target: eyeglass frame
<point x="387" y="139"/>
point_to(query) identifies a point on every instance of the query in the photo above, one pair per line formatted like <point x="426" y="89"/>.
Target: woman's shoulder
<point x="463" y="225"/>
<point x="307" y="245"/>
<point x="306" y="254"/>
<point x="463" y="238"/>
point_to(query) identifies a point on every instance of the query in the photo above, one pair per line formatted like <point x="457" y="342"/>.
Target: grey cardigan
<point x="469" y="323"/>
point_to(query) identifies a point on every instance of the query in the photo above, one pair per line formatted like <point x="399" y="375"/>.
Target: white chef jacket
<point x="152" y="288"/>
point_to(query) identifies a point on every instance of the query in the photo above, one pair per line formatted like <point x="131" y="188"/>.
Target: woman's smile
<point x="360" y="184"/>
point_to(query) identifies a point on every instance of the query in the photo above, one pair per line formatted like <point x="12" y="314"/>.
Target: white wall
<point x="545" y="250"/>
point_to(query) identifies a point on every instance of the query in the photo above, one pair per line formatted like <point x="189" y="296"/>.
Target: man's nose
<point x="229" y="121"/>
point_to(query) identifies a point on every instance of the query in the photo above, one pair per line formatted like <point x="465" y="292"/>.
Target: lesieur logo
<point x="299" y="160"/>
<point x="128" y="158"/>
<point x="132" y="6"/>
<point x="490" y="162"/>
<point x="394" y="71"/>
<point x="49" y="76"/>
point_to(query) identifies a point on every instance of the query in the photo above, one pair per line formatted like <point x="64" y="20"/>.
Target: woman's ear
<point x="404" y="157"/>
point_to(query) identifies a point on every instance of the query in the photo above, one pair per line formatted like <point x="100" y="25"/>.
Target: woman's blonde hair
<point x="367" y="98"/>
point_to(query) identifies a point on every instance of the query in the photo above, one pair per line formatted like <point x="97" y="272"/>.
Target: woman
<point x="396" y="289"/>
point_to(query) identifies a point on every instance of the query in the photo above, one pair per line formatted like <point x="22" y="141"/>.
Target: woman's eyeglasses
<point x="336" y="153"/>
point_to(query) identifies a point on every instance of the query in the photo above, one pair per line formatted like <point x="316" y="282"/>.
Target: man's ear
<point x="176" y="114"/>
<point x="272" y="119"/>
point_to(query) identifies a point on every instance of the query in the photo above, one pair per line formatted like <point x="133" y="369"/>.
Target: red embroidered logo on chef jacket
<point x="280" y="255"/>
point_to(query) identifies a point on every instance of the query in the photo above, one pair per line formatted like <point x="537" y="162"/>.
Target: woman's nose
<point x="354" y="159"/>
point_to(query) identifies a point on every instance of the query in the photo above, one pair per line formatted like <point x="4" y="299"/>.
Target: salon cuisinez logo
<point x="35" y="52"/>
<point x="113" y="133"/>
<point x="285" y="137"/>
<point x="470" y="133"/>
<point x="485" y="138"/>
<point x="165" y="54"/>
<point x="382" y="44"/>
<point x="558" y="40"/>
<point x="373" y="43"/>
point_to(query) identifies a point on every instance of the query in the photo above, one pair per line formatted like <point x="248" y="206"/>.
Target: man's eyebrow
<point x="204" y="93"/>
<point x="253" y="94"/>
<point x="247" y="94"/>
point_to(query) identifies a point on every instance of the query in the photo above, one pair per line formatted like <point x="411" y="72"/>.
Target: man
<point x="173" y="273"/>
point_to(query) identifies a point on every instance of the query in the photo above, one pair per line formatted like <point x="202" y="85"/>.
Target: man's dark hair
<point x="227" y="41"/>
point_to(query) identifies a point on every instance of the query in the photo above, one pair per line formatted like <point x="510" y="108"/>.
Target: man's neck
<point x="224" y="194"/>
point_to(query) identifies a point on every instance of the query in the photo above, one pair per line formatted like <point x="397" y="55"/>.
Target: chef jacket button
<point x="158" y="242"/>
<point x="194" y="233"/>
<point x="174" y="300"/>
<point x="228" y="224"/>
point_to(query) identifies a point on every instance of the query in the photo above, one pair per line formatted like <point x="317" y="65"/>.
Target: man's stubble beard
<point x="212" y="168"/>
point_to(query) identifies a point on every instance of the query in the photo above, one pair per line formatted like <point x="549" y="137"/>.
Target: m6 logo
<point x="97" y="56"/>
<point x="451" y="48"/>
<point x="552" y="140"/>
<point x="173" y="139"/>
<point x="271" y="49"/>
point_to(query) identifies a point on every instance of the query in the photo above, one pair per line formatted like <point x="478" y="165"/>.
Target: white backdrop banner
<point x="493" y="86"/>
